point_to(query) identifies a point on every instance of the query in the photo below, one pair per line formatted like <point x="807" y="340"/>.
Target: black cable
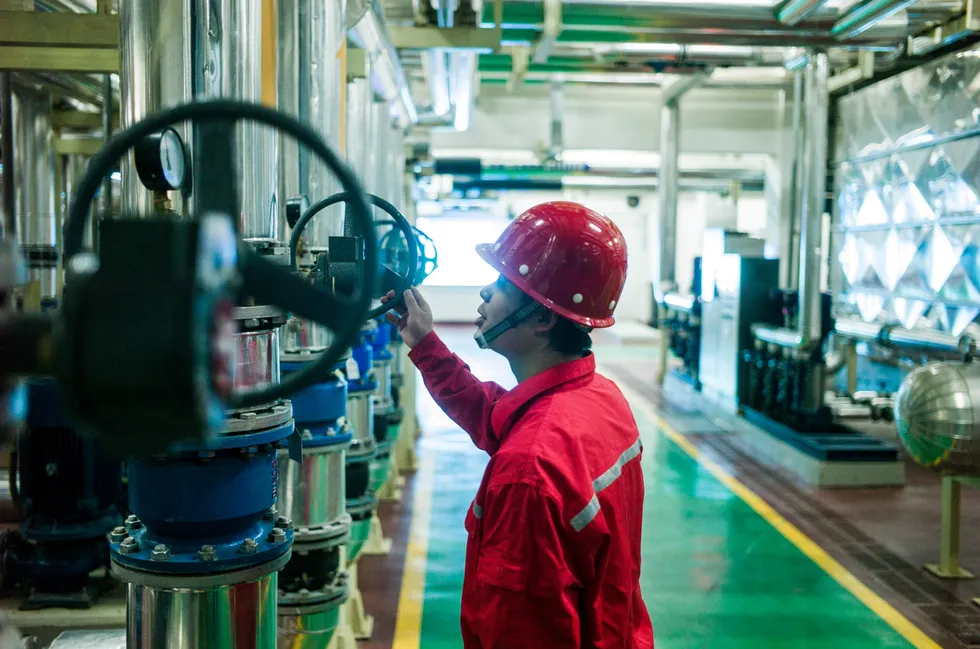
<point x="254" y="268"/>
<point x="399" y="220"/>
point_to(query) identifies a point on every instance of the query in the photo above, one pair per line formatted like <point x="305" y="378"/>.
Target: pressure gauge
<point x="160" y="161"/>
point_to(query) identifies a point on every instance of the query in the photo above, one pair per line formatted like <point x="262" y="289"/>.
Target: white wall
<point x="623" y="117"/>
<point x="627" y="118"/>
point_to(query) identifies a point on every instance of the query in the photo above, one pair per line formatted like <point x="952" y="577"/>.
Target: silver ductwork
<point x="312" y="36"/>
<point x="34" y="164"/>
<point x="367" y="30"/>
<point x="175" y="51"/>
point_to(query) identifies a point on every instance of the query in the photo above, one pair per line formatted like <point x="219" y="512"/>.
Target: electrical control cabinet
<point x="736" y="282"/>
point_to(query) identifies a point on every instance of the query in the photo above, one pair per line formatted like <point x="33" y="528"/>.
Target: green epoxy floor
<point x="715" y="573"/>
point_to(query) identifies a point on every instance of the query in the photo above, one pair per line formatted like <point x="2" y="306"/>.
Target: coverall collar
<point x="510" y="407"/>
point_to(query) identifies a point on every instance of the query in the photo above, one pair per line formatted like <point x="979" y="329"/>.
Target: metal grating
<point x="907" y="223"/>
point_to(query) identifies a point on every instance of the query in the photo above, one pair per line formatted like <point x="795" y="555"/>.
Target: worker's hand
<point x="414" y="319"/>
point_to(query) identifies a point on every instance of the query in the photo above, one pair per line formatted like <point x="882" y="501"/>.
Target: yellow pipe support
<point x="342" y="56"/>
<point x="270" y="41"/>
<point x="949" y="540"/>
<point x="52" y="29"/>
<point x="59" y="59"/>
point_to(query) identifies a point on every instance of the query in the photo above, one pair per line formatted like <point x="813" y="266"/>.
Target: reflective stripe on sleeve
<point x="609" y="476"/>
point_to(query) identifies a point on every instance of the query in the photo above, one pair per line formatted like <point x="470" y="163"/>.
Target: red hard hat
<point x="567" y="257"/>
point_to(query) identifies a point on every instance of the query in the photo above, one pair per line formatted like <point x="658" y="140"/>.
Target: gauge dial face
<point x="172" y="158"/>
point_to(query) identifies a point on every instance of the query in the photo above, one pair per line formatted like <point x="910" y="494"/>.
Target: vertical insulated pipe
<point x="7" y="155"/>
<point x="796" y="184"/>
<point x="815" y="187"/>
<point x="813" y="194"/>
<point x="557" y="114"/>
<point x="670" y="135"/>
<point x="310" y="70"/>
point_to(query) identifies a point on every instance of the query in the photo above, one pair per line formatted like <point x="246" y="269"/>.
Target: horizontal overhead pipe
<point x="679" y="302"/>
<point x="792" y="12"/>
<point x="780" y="337"/>
<point x="865" y="16"/>
<point x="896" y="337"/>
<point x="702" y="23"/>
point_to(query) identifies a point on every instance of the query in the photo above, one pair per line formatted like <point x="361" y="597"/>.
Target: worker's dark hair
<point x="565" y="337"/>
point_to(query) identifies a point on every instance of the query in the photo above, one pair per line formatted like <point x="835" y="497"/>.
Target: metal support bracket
<point x="551" y="31"/>
<point x="59" y="59"/>
<point x="949" y="549"/>
<point x="965" y="27"/>
<point x="476" y="39"/>
<point x="520" y="57"/>
<point x="865" y="69"/>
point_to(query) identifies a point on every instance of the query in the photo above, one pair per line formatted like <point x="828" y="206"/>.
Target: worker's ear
<point x="544" y="320"/>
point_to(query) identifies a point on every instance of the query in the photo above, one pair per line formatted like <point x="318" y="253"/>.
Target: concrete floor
<point x="722" y="567"/>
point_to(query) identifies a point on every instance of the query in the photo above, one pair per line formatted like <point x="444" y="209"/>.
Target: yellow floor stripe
<point x="408" y="624"/>
<point x="806" y="545"/>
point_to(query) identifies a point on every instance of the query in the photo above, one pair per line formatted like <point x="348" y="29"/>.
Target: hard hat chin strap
<point x="484" y="338"/>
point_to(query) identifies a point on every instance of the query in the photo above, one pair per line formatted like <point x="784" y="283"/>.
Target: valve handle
<point x="195" y="313"/>
<point x="401" y="282"/>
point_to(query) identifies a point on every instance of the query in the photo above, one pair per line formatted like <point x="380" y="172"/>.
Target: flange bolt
<point x="118" y="534"/>
<point x="284" y="523"/>
<point x="271" y="514"/>
<point x="277" y="535"/>
<point x="161" y="553"/>
<point x="207" y="553"/>
<point x="248" y="546"/>
<point x="129" y="546"/>
<point x="133" y="523"/>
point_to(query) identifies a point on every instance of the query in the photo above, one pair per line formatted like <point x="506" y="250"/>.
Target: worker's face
<point x="500" y="300"/>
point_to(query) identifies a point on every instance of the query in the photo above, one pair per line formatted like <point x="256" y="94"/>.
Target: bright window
<point x="455" y="235"/>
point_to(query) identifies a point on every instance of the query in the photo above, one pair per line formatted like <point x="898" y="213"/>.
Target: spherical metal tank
<point x="937" y="413"/>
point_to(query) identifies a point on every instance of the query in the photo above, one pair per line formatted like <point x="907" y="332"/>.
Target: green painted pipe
<point x="865" y="15"/>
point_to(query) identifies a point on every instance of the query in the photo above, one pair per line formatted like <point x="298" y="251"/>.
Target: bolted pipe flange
<point x="129" y="546"/>
<point x="161" y="553"/>
<point x="133" y="523"/>
<point x="207" y="553"/>
<point x="284" y="523"/>
<point x="118" y="534"/>
<point x="277" y="535"/>
<point x="248" y="546"/>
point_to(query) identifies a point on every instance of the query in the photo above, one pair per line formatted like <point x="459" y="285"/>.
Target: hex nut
<point x="277" y="535"/>
<point x="118" y="534"/>
<point x="160" y="553"/>
<point x="284" y="522"/>
<point x="207" y="553"/>
<point x="129" y="546"/>
<point x="248" y="546"/>
<point x="133" y="523"/>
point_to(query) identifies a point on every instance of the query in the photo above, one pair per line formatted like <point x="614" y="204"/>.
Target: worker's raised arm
<point x="466" y="399"/>
<point x="528" y="595"/>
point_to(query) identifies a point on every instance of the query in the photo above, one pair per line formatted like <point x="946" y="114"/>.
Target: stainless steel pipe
<point x="33" y="140"/>
<point x="239" y="616"/>
<point x="679" y="302"/>
<point x="312" y="40"/>
<point x="312" y="492"/>
<point x="360" y="415"/>
<point x="174" y="51"/>
<point x="817" y="100"/>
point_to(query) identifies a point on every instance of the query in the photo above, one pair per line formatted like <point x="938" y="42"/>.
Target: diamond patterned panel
<point x="908" y="223"/>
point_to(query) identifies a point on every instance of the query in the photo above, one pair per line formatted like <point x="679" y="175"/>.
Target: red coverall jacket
<point x="553" y="555"/>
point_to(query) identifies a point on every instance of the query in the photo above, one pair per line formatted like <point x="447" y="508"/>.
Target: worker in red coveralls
<point x="553" y="556"/>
